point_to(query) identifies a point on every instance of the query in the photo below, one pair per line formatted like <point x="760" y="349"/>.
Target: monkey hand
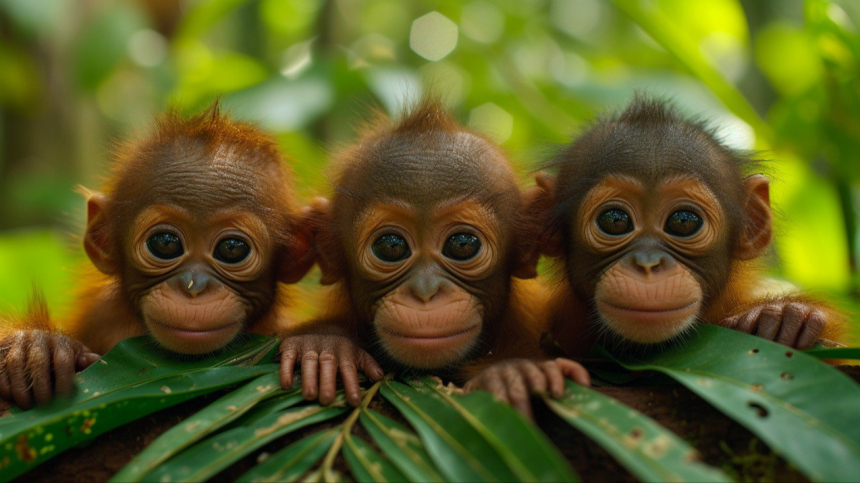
<point x="513" y="381"/>
<point x="36" y="364"/>
<point x="321" y="356"/>
<point x="796" y="324"/>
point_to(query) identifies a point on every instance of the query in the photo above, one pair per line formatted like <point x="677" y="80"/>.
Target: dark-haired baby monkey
<point x="424" y="237"/>
<point x="659" y="228"/>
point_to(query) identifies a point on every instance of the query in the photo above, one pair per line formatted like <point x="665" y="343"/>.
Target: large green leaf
<point x="649" y="451"/>
<point x="366" y="464"/>
<point x="196" y="427"/>
<point x="401" y="445"/>
<point x="293" y="461"/>
<point x="804" y="409"/>
<point x="460" y="452"/>
<point x="835" y="353"/>
<point x="524" y="449"/>
<point x="33" y="437"/>
<point x="210" y="456"/>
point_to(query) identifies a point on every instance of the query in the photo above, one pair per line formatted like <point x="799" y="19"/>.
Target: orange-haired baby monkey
<point x="658" y="229"/>
<point x="193" y="235"/>
<point x="424" y="233"/>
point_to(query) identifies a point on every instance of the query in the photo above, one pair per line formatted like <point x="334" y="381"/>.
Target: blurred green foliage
<point x="778" y="76"/>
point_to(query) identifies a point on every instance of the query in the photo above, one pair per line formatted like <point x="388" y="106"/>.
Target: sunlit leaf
<point x="401" y="445"/>
<point x="804" y="409"/>
<point x="649" y="451"/>
<point x="293" y="461"/>
<point x="201" y="424"/>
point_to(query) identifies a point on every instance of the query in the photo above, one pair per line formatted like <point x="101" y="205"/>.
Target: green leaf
<point x="293" y="461"/>
<point x="835" y="353"/>
<point x="210" y="456"/>
<point x="35" y="436"/>
<point x="460" y="452"/>
<point x="524" y="449"/>
<point x="401" y="446"/>
<point x="366" y="464"/>
<point x="204" y="15"/>
<point x="804" y="409"/>
<point x="204" y="422"/>
<point x="646" y="449"/>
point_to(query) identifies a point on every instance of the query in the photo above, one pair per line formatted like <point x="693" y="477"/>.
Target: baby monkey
<point x="423" y="238"/>
<point x="659" y="228"/>
<point x="192" y="236"/>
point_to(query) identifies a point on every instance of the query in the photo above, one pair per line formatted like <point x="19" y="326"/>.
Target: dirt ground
<point x="722" y="442"/>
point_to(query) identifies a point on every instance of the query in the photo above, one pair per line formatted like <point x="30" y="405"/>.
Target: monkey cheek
<point x="193" y="325"/>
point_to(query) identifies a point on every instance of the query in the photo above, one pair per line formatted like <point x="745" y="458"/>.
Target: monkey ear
<point x="536" y="203"/>
<point x="551" y="243"/>
<point x="301" y="256"/>
<point x="97" y="238"/>
<point x="758" y="222"/>
<point x="325" y="242"/>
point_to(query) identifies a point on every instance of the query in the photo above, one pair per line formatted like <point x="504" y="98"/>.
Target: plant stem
<point x="346" y="428"/>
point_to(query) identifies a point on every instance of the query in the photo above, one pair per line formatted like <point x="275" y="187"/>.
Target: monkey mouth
<point x="655" y="312"/>
<point x="185" y="333"/>
<point x="432" y="337"/>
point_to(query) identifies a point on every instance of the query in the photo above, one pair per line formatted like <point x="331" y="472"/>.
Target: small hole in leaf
<point x="789" y="354"/>
<point x="787" y="376"/>
<point x="753" y="351"/>
<point x="636" y="433"/>
<point x="760" y="410"/>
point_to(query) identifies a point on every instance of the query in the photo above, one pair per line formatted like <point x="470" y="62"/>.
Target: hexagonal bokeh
<point x="433" y="36"/>
<point x="492" y="121"/>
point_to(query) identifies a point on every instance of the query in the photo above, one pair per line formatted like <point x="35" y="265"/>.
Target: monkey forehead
<point x="432" y="168"/>
<point x="202" y="179"/>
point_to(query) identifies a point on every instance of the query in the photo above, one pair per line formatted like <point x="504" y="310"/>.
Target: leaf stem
<point x="346" y="428"/>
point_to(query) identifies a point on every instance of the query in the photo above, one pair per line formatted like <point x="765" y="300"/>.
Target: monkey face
<point x="428" y="281"/>
<point x="197" y="281"/>
<point x="653" y="253"/>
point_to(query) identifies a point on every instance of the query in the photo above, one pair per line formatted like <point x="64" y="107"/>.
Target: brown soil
<point x="722" y="442"/>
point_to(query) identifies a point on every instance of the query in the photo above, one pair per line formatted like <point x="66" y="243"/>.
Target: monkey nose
<point x="425" y="288"/>
<point x="651" y="261"/>
<point x="193" y="283"/>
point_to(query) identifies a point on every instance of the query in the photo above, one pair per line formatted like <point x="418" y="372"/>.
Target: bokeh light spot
<point x="492" y="121"/>
<point x="433" y="36"/>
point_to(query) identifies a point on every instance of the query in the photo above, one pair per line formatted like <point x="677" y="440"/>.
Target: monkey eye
<point x="165" y="246"/>
<point x="232" y="250"/>
<point x="391" y="248"/>
<point x="614" y="222"/>
<point x="462" y="246"/>
<point x="683" y="223"/>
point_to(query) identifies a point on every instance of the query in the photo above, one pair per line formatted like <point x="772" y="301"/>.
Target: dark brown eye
<point x="462" y="246"/>
<point x="614" y="222"/>
<point x="164" y="246"/>
<point x="232" y="250"/>
<point x="683" y="223"/>
<point x="391" y="248"/>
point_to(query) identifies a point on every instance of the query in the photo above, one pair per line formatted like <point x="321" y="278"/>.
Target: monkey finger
<point x="288" y="368"/>
<point x="748" y="322"/>
<point x="349" y="376"/>
<point x="39" y="369"/>
<point x="517" y="391"/>
<point x="793" y="316"/>
<point x="310" y="378"/>
<point x="64" y="369"/>
<point x="5" y="385"/>
<point x="574" y="371"/>
<point x="812" y="329"/>
<point x="328" y="378"/>
<point x="369" y="366"/>
<point x="729" y="322"/>
<point x="86" y="359"/>
<point x="537" y="381"/>
<point x="553" y="373"/>
<point x="16" y="360"/>
<point x="769" y="321"/>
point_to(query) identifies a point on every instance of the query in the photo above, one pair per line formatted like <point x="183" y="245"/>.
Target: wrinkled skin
<point x="514" y="381"/>
<point x="795" y="324"/>
<point x="29" y="359"/>
<point x="322" y="358"/>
